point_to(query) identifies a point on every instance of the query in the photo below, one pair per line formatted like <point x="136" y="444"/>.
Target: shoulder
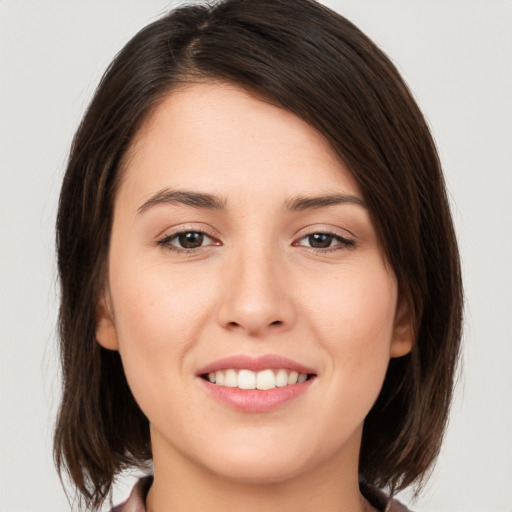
<point x="136" y="502"/>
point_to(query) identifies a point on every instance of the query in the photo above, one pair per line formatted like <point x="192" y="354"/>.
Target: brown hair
<point x="319" y="66"/>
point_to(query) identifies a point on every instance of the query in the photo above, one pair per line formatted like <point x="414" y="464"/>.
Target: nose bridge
<point x="255" y="296"/>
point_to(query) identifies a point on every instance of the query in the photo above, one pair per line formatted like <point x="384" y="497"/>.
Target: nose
<point x="257" y="298"/>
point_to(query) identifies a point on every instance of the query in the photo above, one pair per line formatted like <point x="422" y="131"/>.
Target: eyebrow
<point x="212" y="202"/>
<point x="301" y="203"/>
<point x="194" y="199"/>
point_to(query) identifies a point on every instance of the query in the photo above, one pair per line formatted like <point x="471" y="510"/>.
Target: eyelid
<point x="345" y="242"/>
<point x="342" y="240"/>
<point x="327" y="229"/>
<point x="185" y="227"/>
<point x="175" y="236"/>
<point x="168" y="235"/>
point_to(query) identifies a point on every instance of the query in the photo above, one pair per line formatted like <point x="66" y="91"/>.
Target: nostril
<point x="276" y="322"/>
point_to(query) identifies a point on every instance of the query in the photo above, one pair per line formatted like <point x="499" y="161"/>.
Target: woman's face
<point x="242" y="253"/>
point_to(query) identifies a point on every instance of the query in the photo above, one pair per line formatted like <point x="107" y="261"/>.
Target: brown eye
<point x="189" y="240"/>
<point x="186" y="241"/>
<point x="320" y="240"/>
<point x="324" y="241"/>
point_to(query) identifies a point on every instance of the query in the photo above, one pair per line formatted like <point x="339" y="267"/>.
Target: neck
<point x="180" y="485"/>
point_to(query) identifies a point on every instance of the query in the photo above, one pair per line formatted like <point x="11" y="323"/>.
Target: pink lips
<point x="255" y="364"/>
<point x="255" y="400"/>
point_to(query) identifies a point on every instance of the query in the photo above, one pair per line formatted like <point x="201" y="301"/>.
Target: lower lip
<point x="256" y="400"/>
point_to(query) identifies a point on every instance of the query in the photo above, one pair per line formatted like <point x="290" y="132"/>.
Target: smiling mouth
<point x="262" y="380"/>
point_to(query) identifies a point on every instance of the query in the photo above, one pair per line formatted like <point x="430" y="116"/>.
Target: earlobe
<point x="106" y="333"/>
<point x="404" y="334"/>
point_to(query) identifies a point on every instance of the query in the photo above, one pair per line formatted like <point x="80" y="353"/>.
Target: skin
<point x="255" y="286"/>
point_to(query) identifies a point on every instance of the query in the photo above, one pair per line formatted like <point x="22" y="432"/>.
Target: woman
<point x="261" y="290"/>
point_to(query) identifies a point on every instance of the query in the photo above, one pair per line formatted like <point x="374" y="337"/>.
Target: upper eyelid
<point x="186" y="228"/>
<point x="165" y="243"/>
<point x="328" y="233"/>
<point x="171" y="236"/>
<point x="327" y="230"/>
<point x="342" y="240"/>
<point x="338" y="233"/>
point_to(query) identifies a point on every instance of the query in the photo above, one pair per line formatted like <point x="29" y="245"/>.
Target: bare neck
<point x="180" y="485"/>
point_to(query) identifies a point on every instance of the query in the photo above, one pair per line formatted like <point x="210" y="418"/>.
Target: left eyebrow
<point x="185" y="197"/>
<point x="301" y="203"/>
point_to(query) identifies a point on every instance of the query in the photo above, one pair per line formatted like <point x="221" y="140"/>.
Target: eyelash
<point x="342" y="242"/>
<point x="166" y="244"/>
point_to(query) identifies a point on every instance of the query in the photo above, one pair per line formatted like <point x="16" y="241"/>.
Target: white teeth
<point x="292" y="378"/>
<point x="246" y="379"/>
<point x="264" y="379"/>
<point x="281" y="378"/>
<point x="230" y="379"/>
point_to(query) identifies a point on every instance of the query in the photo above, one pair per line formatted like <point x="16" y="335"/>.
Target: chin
<point x="260" y="459"/>
<point x="259" y="471"/>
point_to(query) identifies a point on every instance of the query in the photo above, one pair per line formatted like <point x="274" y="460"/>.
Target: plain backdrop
<point x="456" y="56"/>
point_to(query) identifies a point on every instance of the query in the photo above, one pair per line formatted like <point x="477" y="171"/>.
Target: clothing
<point x="136" y="501"/>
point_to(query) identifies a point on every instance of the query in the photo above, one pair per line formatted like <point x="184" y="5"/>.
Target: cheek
<point x="355" y="323"/>
<point x="158" y="319"/>
<point x="154" y="302"/>
<point x="357" y="308"/>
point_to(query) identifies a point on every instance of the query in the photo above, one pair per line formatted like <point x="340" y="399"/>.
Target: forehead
<point x="227" y="140"/>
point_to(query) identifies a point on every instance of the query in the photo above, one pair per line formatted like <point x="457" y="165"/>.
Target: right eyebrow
<point x="186" y="197"/>
<point x="301" y="203"/>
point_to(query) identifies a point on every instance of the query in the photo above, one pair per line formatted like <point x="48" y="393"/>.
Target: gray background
<point x="457" y="57"/>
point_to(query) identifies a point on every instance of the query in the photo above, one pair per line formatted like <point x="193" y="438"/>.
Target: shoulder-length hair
<point x="318" y="65"/>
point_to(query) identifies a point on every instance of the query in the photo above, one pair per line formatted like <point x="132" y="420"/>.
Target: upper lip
<point x="255" y="363"/>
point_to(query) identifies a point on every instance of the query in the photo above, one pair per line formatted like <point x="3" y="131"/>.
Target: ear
<point x="403" y="332"/>
<point x="106" y="333"/>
